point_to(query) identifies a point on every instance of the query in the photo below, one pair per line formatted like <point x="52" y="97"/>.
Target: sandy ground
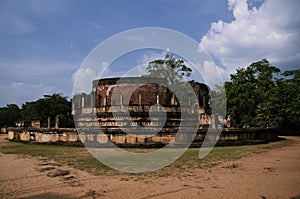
<point x="274" y="174"/>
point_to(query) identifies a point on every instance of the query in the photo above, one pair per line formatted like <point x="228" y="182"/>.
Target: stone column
<point x="228" y="121"/>
<point x="82" y="101"/>
<point x="213" y="121"/>
<point x="121" y="102"/>
<point x="105" y="100"/>
<point x="141" y="108"/>
<point x="57" y="121"/>
<point x="49" y="123"/>
<point x="140" y="100"/>
<point x="157" y="102"/>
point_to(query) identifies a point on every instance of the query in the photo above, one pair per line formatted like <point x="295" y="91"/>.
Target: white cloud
<point x="152" y="56"/>
<point x="270" y="31"/>
<point x="212" y="73"/>
<point x="27" y="80"/>
<point x="83" y="79"/>
<point x="21" y="92"/>
<point x="17" y="84"/>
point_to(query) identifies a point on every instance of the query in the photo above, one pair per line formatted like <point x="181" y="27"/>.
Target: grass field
<point x="80" y="158"/>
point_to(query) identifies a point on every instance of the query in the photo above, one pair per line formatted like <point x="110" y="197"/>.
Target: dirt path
<point x="274" y="174"/>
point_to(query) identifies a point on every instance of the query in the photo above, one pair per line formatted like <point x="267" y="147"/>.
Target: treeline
<point x="260" y="95"/>
<point x="48" y="106"/>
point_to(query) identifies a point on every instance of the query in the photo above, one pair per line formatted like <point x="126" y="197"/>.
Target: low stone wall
<point x="69" y="136"/>
<point x="66" y="136"/>
<point x="3" y="130"/>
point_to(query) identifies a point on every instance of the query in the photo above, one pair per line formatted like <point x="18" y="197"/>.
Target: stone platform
<point x="69" y="136"/>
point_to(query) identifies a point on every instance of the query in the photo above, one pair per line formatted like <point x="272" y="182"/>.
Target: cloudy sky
<point x="43" y="43"/>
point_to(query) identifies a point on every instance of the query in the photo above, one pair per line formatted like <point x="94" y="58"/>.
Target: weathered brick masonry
<point x="121" y="108"/>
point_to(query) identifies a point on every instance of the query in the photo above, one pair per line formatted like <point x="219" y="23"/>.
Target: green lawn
<point x="80" y="158"/>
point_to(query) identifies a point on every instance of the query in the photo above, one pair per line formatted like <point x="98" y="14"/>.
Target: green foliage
<point x="170" y="68"/>
<point x="281" y="106"/>
<point x="256" y="98"/>
<point x="9" y="115"/>
<point x="173" y="70"/>
<point x="49" y="106"/>
<point x="249" y="88"/>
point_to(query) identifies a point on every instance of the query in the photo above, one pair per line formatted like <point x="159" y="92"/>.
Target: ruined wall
<point x="69" y="136"/>
<point x="44" y="135"/>
<point x="133" y="91"/>
<point x="111" y="98"/>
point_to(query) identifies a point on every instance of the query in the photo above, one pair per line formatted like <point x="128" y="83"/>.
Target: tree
<point x="241" y="99"/>
<point x="249" y="88"/>
<point x="173" y="70"/>
<point x="49" y="106"/>
<point x="170" y="68"/>
<point x="281" y="108"/>
<point x="9" y="115"/>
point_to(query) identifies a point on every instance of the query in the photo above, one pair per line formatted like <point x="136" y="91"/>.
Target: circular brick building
<point x="113" y="98"/>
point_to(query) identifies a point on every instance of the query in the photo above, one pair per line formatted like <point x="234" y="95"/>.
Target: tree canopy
<point x="257" y="97"/>
<point x="9" y="115"/>
<point x="170" y="68"/>
<point x="174" y="71"/>
<point x="48" y="106"/>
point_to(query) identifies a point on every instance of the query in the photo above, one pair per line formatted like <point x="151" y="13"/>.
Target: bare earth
<point x="274" y="174"/>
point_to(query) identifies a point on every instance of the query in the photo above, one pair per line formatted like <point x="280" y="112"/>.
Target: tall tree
<point x="249" y="87"/>
<point x="173" y="70"/>
<point x="9" y="115"/>
<point x="49" y="106"/>
<point x="170" y="68"/>
<point x="281" y="108"/>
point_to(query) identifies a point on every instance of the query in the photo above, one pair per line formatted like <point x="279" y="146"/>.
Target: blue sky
<point x="43" y="43"/>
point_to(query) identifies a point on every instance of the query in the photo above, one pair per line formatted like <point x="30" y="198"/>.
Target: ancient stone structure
<point x="3" y="130"/>
<point x="69" y="136"/>
<point x="121" y="106"/>
<point x="112" y="99"/>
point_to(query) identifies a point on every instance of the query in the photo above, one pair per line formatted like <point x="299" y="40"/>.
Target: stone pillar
<point x="49" y="123"/>
<point x="173" y="100"/>
<point x="140" y="100"/>
<point x="213" y="121"/>
<point x="228" y="121"/>
<point x="105" y="100"/>
<point x="157" y="102"/>
<point x="92" y="101"/>
<point x="57" y="121"/>
<point x="82" y="101"/>
<point x="121" y="99"/>
<point x="121" y="102"/>
<point x="140" y="103"/>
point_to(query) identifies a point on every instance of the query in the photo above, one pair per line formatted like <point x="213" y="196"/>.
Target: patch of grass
<point x="80" y="158"/>
<point x="77" y="157"/>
